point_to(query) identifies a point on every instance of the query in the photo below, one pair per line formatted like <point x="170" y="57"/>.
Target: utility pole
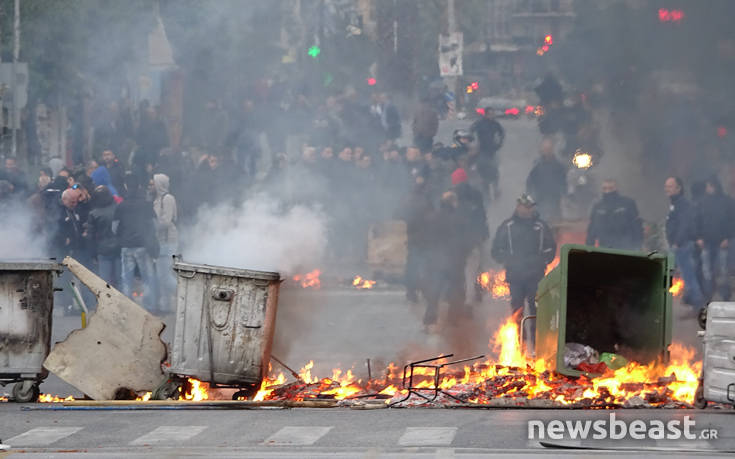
<point x="16" y="55"/>
<point x="451" y="81"/>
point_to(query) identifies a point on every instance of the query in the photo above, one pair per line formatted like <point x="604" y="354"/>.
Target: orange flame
<point x="494" y="282"/>
<point x="198" y="391"/>
<point x="48" y="398"/>
<point x="309" y="280"/>
<point x="359" y="282"/>
<point x="677" y="287"/>
<point x="554" y="263"/>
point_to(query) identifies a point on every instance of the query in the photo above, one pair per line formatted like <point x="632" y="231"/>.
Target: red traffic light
<point x="666" y="15"/>
<point x="372" y="81"/>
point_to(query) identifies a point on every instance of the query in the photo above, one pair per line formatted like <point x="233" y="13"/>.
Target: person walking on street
<point x="715" y="227"/>
<point x="425" y="126"/>
<point x="524" y="245"/>
<point x="680" y="234"/>
<point x="547" y="181"/>
<point x="136" y="232"/>
<point x="443" y="273"/>
<point x="164" y="205"/>
<point x="490" y="136"/>
<point x="472" y="206"/>
<point x="614" y="221"/>
<point x="101" y="236"/>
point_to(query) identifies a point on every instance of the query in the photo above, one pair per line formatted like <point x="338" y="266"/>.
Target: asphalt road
<point x="330" y="433"/>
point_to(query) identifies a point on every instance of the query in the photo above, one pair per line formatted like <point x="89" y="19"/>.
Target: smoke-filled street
<point x="369" y="228"/>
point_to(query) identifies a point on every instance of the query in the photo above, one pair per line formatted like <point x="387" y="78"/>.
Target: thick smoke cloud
<point x="19" y="239"/>
<point x="260" y="235"/>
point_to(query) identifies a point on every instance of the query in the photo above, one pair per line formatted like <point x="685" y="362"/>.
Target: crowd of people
<point x="123" y="216"/>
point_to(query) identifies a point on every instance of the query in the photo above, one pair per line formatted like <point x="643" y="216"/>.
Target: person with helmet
<point x="525" y="245"/>
<point x="461" y="147"/>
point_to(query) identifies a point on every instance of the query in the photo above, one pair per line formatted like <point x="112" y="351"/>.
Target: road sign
<point x="450" y="54"/>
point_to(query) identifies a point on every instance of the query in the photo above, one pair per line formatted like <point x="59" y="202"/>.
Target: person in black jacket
<point x="490" y="136"/>
<point x="471" y="204"/>
<point x="715" y="228"/>
<point x="680" y="234"/>
<point x="547" y="182"/>
<point x="614" y="221"/>
<point x="446" y="255"/>
<point x="101" y="236"/>
<point x="134" y="221"/>
<point x="415" y="211"/>
<point x="525" y="245"/>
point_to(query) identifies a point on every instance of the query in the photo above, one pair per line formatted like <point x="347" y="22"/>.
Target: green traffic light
<point x="314" y="51"/>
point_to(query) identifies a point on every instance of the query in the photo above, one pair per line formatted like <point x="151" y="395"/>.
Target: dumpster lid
<point x="30" y="265"/>
<point x="225" y="271"/>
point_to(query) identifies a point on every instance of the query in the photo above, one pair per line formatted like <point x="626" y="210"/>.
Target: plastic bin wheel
<point x="168" y="389"/>
<point x="702" y="318"/>
<point x="26" y="391"/>
<point x="699" y="401"/>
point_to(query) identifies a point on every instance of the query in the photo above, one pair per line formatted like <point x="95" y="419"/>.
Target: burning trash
<point x="677" y="287"/>
<point x="359" y="282"/>
<point x="495" y="283"/>
<point x="309" y="280"/>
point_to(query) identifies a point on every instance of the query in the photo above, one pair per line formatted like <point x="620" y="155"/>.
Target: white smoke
<point x="19" y="237"/>
<point x="258" y="235"/>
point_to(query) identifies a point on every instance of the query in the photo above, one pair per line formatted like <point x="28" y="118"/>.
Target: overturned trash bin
<point x="614" y="301"/>
<point x="225" y="319"/>
<point x="26" y="310"/>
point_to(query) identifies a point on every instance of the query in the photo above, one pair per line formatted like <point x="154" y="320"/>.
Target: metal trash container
<point x="605" y="298"/>
<point x="26" y="310"/>
<point x="225" y="319"/>
<point x="718" y="366"/>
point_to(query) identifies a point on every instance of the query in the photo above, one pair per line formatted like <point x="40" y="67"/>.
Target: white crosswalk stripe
<point x="41" y="436"/>
<point x="298" y="435"/>
<point x="168" y="434"/>
<point x="428" y="436"/>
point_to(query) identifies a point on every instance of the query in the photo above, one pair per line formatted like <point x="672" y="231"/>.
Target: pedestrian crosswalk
<point x="178" y="435"/>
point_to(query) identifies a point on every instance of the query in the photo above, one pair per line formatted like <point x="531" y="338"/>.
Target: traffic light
<point x="314" y="51"/>
<point x="372" y="81"/>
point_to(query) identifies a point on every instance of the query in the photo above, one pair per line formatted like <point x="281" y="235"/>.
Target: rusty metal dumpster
<point x="26" y="307"/>
<point x="611" y="300"/>
<point x="225" y="319"/>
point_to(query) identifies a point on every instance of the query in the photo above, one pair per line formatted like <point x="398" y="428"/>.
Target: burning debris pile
<point x="510" y="380"/>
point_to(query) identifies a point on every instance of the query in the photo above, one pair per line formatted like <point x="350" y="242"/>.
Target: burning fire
<point x="677" y="287"/>
<point x="494" y="282"/>
<point x="514" y="375"/>
<point x="309" y="280"/>
<point x="582" y="160"/>
<point x="554" y="263"/>
<point x="48" y="398"/>
<point x="359" y="282"/>
<point x="197" y="390"/>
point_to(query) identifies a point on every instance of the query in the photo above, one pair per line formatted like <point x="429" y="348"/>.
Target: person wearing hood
<point x="164" y="205"/>
<point x="614" y="221"/>
<point x="100" y="234"/>
<point x="715" y="226"/>
<point x="681" y="231"/>
<point x="101" y="177"/>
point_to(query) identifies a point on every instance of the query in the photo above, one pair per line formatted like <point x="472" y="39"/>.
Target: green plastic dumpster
<point x="612" y="300"/>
